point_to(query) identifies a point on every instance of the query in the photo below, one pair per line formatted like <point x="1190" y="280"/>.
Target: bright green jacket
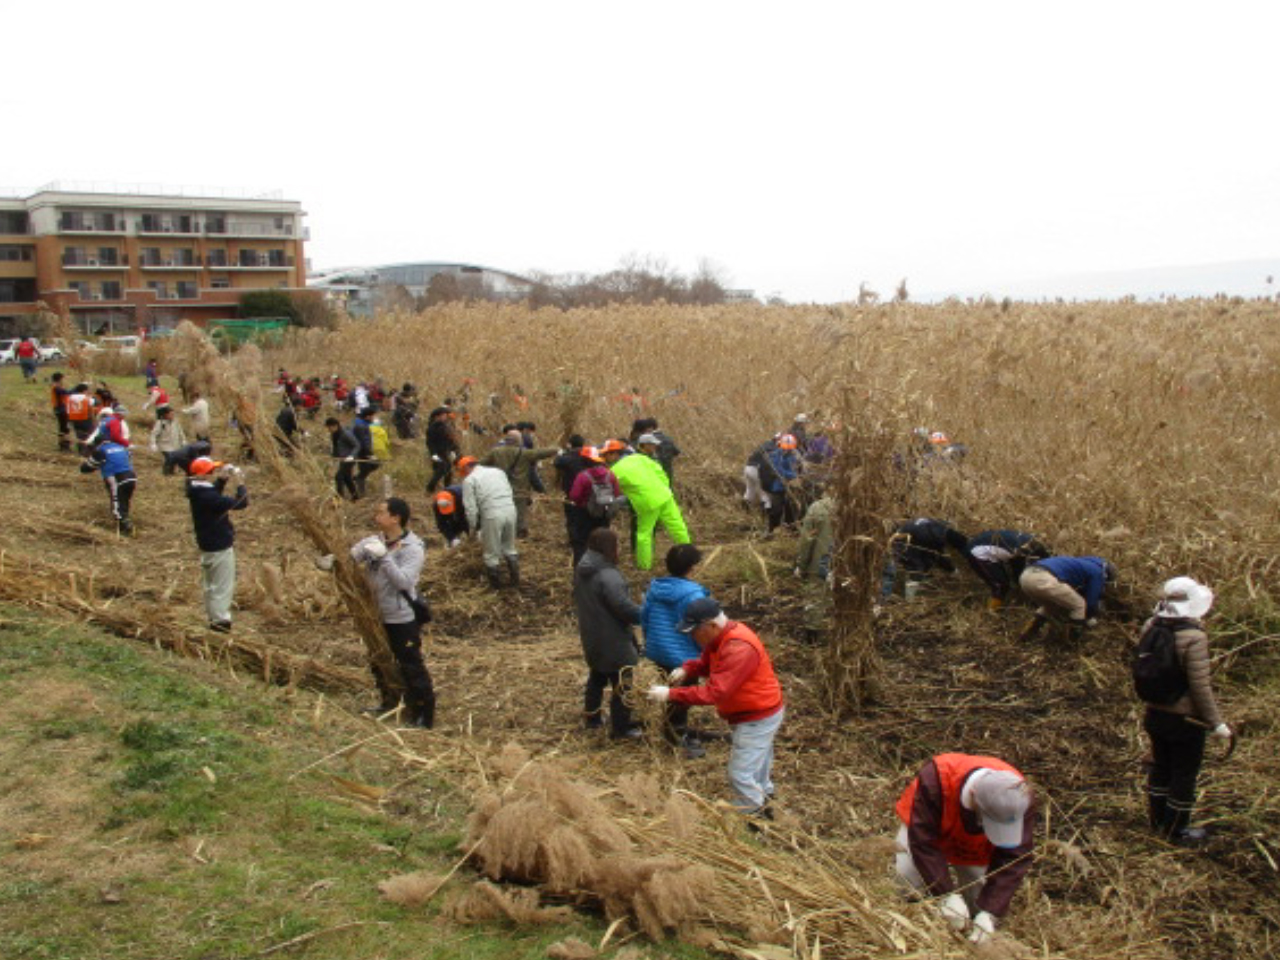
<point x="643" y="481"/>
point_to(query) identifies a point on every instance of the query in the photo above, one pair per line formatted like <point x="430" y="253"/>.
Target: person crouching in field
<point x="976" y="815"/>
<point x="744" y="689"/>
<point x="392" y="560"/>
<point x="1066" y="585"/>
<point x="451" y="519"/>
<point x="215" y="535"/>
<point x="606" y="614"/>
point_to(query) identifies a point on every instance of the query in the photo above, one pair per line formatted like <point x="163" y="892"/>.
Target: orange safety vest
<point x="79" y="406"/>
<point x="961" y="847"/>
<point x="761" y="690"/>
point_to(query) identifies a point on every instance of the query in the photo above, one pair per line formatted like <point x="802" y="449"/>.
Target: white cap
<point x="1002" y="798"/>
<point x="801" y="418"/>
<point x="1183" y="597"/>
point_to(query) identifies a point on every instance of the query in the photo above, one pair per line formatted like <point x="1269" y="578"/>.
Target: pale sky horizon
<point x="801" y="149"/>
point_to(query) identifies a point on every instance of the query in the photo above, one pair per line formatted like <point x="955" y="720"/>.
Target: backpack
<point x="602" y="504"/>
<point x="1158" y="676"/>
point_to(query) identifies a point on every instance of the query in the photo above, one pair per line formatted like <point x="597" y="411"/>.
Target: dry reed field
<point x="1143" y="433"/>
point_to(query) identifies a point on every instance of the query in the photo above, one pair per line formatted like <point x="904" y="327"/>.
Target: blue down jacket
<point x="663" y="608"/>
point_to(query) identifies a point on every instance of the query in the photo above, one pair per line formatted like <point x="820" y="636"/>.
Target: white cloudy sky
<point x="800" y="147"/>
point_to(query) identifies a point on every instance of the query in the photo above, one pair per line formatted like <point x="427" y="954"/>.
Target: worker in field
<point x="184" y="457"/>
<point x="215" y="535"/>
<point x="451" y="518"/>
<point x="80" y="415"/>
<point x="344" y="449"/>
<point x="366" y="462"/>
<point x="392" y="561"/>
<point x="742" y="686"/>
<point x="198" y="411"/>
<point x="112" y="425"/>
<point x="998" y="557"/>
<point x="157" y="396"/>
<point x="779" y="477"/>
<point x="1069" y="587"/>
<point x="754" y="496"/>
<point x="606" y="618"/>
<point x="665" y="602"/>
<point x="28" y="357"/>
<point x="653" y="442"/>
<point x="813" y="567"/>
<point x="59" y="394"/>
<point x="1171" y="676"/>
<point x="167" y="438"/>
<point x="973" y="815"/>
<point x="514" y="459"/>
<point x="648" y="492"/>
<point x="568" y="464"/>
<point x="917" y="548"/>
<point x="113" y="463"/>
<point x="443" y="447"/>
<point x="594" y="500"/>
<point x="490" y="508"/>
<point x="404" y="412"/>
<point x="529" y="440"/>
<point x="151" y="373"/>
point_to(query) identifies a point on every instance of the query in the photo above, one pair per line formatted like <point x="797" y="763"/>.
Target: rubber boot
<point x="1033" y="628"/>
<point x="495" y="580"/>
<point x="513" y="567"/>
<point x="1075" y="630"/>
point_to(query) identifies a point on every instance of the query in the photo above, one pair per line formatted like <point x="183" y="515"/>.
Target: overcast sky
<point x="800" y="148"/>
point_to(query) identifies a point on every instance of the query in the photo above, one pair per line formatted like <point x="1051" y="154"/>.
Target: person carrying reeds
<point x="392" y="560"/>
<point x="1171" y="675"/>
<point x="606" y="615"/>
<point x="648" y="492"/>
<point x="1066" y="586"/>
<point x="999" y="557"/>
<point x="742" y="686"/>
<point x="516" y="460"/>
<point x="491" y="509"/>
<point x="215" y="536"/>
<point x="975" y="815"/>
<point x="661" y="614"/>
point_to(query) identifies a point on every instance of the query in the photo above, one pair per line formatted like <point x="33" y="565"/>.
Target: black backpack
<point x="1158" y="676"/>
<point x="602" y="504"/>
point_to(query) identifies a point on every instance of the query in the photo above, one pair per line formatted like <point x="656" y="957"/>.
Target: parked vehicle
<point x="8" y="350"/>
<point x="49" y="352"/>
<point x="120" y="344"/>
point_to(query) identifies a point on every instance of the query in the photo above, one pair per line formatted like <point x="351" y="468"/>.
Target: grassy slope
<point x="148" y="812"/>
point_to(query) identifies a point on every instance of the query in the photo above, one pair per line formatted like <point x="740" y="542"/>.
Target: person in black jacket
<point x="287" y="428"/>
<point x="345" y="449"/>
<point x="366" y="462"/>
<point x="999" y="557"/>
<point x="442" y="447"/>
<point x="918" y="547"/>
<point x="606" y="614"/>
<point x="451" y="518"/>
<point x="568" y="465"/>
<point x="215" y="536"/>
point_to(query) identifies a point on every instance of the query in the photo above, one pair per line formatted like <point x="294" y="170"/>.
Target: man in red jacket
<point x="975" y="814"/>
<point x="743" y="688"/>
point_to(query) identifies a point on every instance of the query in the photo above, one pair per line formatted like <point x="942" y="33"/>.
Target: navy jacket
<point x="210" y="510"/>
<point x="1085" y="575"/>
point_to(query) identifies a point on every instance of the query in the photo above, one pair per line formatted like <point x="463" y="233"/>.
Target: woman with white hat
<point x="1171" y="675"/>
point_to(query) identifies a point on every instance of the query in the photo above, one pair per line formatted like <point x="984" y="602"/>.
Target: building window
<point x="215" y="224"/>
<point x="220" y="283"/>
<point x="150" y="257"/>
<point x="248" y="258"/>
<point x="13" y="251"/>
<point x="184" y="258"/>
<point x="217" y="258"/>
<point x="187" y="290"/>
<point x="110" y="289"/>
<point x="74" y="257"/>
<point x="81" y="288"/>
<point x="108" y="256"/>
<point x="17" y="291"/>
<point x="14" y="221"/>
<point x="276" y="258"/>
<point x="160" y="288"/>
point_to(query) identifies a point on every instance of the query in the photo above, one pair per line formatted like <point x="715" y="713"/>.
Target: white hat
<point x="648" y="439"/>
<point x="1183" y="597"/>
<point x="1003" y="799"/>
<point x="801" y="418"/>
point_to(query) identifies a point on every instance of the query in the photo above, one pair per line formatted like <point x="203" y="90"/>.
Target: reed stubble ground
<point x="1144" y="433"/>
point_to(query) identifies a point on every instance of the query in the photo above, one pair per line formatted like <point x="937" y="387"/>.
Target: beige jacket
<point x="1198" y="701"/>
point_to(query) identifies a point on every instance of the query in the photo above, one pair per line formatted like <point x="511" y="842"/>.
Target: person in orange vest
<point x="743" y="688"/>
<point x="58" y="394"/>
<point x="79" y="405"/>
<point x="973" y="813"/>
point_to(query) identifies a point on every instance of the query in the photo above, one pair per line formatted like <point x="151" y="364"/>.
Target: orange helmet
<point x="591" y="453"/>
<point x="612" y="446"/>
<point x="203" y="466"/>
<point x="787" y="442"/>
<point x="445" y="503"/>
<point x="939" y="439"/>
<point x="465" y="464"/>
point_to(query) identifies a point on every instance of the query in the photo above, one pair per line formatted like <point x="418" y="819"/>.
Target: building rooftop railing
<point x="194" y="191"/>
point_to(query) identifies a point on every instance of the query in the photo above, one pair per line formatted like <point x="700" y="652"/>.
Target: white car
<point x="8" y="351"/>
<point x="120" y="344"/>
<point x="49" y="352"/>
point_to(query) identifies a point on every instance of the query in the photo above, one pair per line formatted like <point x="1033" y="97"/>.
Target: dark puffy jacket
<point x="360" y="430"/>
<point x="210" y="509"/>
<point x="344" y="444"/>
<point x="664" y="604"/>
<point x="605" y="614"/>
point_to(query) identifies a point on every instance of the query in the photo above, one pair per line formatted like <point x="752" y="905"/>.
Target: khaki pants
<point x="498" y="535"/>
<point x="218" y="578"/>
<point x="1051" y="593"/>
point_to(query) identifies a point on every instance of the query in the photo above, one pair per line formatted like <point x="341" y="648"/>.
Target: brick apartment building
<point x="117" y="262"/>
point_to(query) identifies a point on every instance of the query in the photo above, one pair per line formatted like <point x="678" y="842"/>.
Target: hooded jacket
<point x="1085" y="575"/>
<point x="660" y="616"/>
<point x="606" y="613"/>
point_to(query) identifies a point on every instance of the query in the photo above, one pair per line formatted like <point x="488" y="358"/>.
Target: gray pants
<point x="218" y="581"/>
<point x="498" y="534"/>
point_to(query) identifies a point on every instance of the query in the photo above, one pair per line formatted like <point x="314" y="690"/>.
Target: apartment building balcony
<point x="183" y="227"/>
<point x="240" y="228"/>
<point x="261" y="267"/>
<point x="170" y="263"/>
<point x="85" y="262"/>
<point x="85" y="229"/>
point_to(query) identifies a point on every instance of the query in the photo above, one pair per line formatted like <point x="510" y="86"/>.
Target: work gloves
<point x="370" y="548"/>
<point x="1223" y="732"/>
<point x="676" y="676"/>
<point x="984" y="927"/>
<point x="659" y="694"/>
<point x="955" y="911"/>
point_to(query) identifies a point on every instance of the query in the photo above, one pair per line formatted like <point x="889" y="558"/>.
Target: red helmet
<point x="787" y="442"/>
<point x="591" y="453"/>
<point x="203" y="466"/>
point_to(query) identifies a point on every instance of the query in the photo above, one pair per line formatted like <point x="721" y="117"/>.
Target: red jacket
<point x="941" y="832"/>
<point x="26" y="350"/>
<point x="741" y="683"/>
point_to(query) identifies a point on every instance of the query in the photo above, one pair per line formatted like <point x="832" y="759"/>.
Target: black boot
<point x="513" y="567"/>
<point x="1033" y="628"/>
<point x="495" y="580"/>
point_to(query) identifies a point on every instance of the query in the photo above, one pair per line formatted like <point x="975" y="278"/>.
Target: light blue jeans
<point x="751" y="762"/>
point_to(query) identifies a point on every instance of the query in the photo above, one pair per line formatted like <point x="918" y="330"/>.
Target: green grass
<point x="108" y="751"/>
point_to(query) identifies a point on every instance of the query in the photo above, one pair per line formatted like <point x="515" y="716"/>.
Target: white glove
<point x="348" y="459"/>
<point x="1091" y="622"/>
<point x="375" y="548"/>
<point x="798" y="573"/>
<point x="676" y="676"/>
<point x="1223" y="732"/>
<point x="325" y="563"/>
<point x="660" y="694"/>
<point x="955" y="911"/>
<point x="984" y="927"/>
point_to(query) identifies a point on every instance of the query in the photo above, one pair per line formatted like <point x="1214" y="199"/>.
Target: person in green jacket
<point x="648" y="491"/>
<point x="813" y="563"/>
<point x="514" y="459"/>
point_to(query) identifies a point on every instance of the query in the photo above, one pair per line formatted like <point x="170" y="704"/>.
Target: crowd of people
<point x="967" y="821"/>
